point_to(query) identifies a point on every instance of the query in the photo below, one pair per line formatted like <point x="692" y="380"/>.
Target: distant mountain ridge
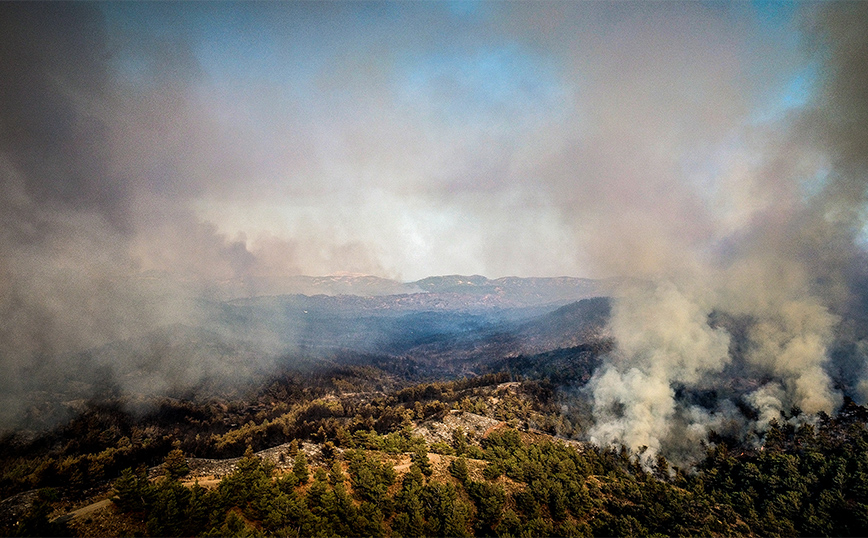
<point x="501" y="292"/>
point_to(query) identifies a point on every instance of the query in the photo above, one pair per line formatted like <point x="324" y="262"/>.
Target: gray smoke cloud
<point x="663" y="339"/>
<point x="80" y="205"/>
<point x="794" y="269"/>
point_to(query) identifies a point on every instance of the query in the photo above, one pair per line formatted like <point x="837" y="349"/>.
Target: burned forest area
<point x="471" y="420"/>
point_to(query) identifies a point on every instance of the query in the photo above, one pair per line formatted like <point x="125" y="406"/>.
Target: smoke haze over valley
<point x="174" y="179"/>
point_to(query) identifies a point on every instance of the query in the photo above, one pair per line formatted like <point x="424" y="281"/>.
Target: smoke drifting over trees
<point x="86" y="170"/>
<point x="715" y="153"/>
<point x="795" y="272"/>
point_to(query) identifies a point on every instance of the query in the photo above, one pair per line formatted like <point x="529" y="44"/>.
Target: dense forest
<point x="352" y="462"/>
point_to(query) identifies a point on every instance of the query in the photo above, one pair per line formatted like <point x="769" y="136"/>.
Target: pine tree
<point x="316" y="494"/>
<point x="661" y="468"/>
<point x="328" y="450"/>
<point x="336" y="474"/>
<point x="299" y="469"/>
<point x="197" y="512"/>
<point x="458" y="469"/>
<point x="175" y="463"/>
<point x="459" y="441"/>
<point x="490" y="500"/>
<point x="420" y="459"/>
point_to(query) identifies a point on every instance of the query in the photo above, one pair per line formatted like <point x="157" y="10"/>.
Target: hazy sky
<point x="408" y="139"/>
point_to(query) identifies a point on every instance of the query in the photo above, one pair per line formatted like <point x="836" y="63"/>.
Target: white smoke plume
<point x="663" y="340"/>
<point x="792" y="272"/>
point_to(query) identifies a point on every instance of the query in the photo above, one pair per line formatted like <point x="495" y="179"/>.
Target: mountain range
<point x="505" y="291"/>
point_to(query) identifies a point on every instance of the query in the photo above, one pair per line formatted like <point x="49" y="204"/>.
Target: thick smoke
<point x="792" y="274"/>
<point x="78" y="191"/>
<point x="634" y="394"/>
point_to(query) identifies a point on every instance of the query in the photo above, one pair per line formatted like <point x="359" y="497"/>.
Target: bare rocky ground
<point x="440" y="431"/>
<point x="12" y="508"/>
<point x="207" y="470"/>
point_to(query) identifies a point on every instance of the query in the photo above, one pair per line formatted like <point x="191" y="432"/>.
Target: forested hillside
<point x="487" y="456"/>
